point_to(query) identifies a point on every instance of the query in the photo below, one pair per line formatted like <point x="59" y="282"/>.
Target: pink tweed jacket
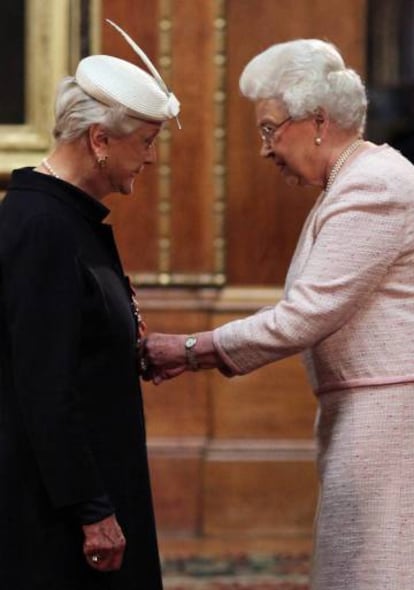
<point x="349" y="296"/>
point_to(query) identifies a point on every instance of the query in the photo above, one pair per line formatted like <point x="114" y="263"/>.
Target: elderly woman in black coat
<point x="75" y="501"/>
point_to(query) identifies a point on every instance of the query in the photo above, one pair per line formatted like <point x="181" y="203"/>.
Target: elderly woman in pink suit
<point x="348" y="307"/>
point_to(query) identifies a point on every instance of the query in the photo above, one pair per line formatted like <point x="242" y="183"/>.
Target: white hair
<point x="306" y="75"/>
<point x="76" y="111"/>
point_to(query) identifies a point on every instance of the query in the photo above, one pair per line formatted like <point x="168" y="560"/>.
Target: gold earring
<point x="318" y="140"/>
<point x="101" y="160"/>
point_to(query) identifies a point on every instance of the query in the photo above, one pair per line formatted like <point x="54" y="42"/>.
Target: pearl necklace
<point x="49" y="168"/>
<point x="342" y="158"/>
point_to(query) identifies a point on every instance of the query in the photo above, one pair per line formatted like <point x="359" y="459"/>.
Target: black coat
<point x="71" y="417"/>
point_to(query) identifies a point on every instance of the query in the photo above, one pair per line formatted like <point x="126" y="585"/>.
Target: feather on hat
<point x="114" y="81"/>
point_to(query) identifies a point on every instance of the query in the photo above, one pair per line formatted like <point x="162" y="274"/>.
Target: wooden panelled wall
<point x="215" y="227"/>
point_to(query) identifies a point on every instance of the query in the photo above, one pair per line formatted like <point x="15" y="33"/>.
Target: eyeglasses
<point x="268" y="130"/>
<point x="150" y="143"/>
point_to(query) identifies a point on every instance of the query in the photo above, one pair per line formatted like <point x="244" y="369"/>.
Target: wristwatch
<point x="189" y="345"/>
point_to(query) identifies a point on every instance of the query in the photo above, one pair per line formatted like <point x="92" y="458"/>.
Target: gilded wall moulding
<point x="51" y="44"/>
<point x="165" y="275"/>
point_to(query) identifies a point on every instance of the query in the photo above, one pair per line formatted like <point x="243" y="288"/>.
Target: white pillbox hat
<point x="114" y="81"/>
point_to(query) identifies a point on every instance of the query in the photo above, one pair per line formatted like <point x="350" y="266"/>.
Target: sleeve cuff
<point x="93" y="510"/>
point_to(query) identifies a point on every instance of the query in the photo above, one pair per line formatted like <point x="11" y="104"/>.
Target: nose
<point x="151" y="155"/>
<point x="266" y="149"/>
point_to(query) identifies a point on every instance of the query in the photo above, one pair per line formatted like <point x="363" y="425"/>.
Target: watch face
<point x="191" y="340"/>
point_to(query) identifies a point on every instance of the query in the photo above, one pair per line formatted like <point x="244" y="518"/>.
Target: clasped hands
<point x="164" y="355"/>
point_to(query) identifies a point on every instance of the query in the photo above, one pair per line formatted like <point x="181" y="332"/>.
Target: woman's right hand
<point x="165" y="355"/>
<point x="104" y="544"/>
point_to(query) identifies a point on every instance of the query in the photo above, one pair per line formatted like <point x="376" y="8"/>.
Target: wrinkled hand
<point x="165" y="356"/>
<point x="104" y="544"/>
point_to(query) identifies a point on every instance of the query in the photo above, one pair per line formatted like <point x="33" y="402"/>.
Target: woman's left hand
<point x="104" y="544"/>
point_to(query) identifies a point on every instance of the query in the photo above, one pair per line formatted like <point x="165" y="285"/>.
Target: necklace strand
<point x="49" y="168"/>
<point x="342" y="158"/>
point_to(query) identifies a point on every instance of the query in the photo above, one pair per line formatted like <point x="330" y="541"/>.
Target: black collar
<point x="28" y="180"/>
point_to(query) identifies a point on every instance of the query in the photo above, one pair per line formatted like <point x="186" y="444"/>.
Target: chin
<point x="127" y="189"/>
<point x="292" y="180"/>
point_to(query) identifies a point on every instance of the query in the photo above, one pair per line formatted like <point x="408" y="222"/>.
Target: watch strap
<point x="190" y="354"/>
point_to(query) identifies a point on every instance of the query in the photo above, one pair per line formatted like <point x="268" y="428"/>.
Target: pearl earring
<point x="318" y="140"/>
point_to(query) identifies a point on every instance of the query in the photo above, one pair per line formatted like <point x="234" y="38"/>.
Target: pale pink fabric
<point x="349" y="296"/>
<point x="365" y="524"/>
<point x="349" y="306"/>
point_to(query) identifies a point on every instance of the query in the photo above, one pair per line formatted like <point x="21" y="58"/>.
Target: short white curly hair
<point x="306" y="75"/>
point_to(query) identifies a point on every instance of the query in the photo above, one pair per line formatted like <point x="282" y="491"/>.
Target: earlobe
<point x="319" y="123"/>
<point x="319" y="118"/>
<point x="98" y="136"/>
<point x="98" y="140"/>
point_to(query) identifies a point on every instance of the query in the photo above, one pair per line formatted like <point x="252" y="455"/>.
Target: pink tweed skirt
<point x="364" y="530"/>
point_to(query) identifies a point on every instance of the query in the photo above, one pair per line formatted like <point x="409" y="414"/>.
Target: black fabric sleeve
<point x="93" y="511"/>
<point x="43" y="299"/>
